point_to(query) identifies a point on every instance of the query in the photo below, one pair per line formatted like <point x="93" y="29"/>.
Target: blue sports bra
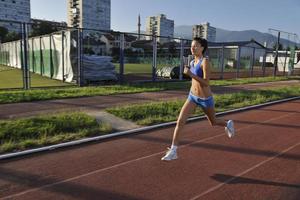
<point x="197" y="69"/>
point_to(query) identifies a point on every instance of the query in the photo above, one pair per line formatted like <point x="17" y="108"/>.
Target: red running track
<point x="261" y="162"/>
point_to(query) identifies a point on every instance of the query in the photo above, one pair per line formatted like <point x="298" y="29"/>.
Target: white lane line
<point x="243" y="173"/>
<point x="131" y="161"/>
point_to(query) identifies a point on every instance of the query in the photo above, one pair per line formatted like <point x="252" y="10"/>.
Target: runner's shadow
<point x="69" y="189"/>
<point x="228" y="179"/>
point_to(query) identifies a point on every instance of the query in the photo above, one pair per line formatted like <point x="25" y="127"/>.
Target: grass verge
<point x="21" y="134"/>
<point x="159" y="112"/>
<point x="14" y="96"/>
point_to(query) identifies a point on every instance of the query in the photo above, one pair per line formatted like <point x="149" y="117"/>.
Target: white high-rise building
<point x="14" y="10"/>
<point x="205" y="31"/>
<point x="160" y="26"/>
<point x="91" y="14"/>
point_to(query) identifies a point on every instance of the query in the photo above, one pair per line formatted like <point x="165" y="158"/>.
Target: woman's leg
<point x="186" y="110"/>
<point x="211" y="116"/>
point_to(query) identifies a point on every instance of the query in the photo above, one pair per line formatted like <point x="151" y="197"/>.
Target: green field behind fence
<point x="42" y="64"/>
<point x="134" y="68"/>
<point x="13" y="78"/>
<point x="144" y="65"/>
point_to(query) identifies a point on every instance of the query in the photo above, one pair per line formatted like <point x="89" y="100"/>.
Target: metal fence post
<point x="33" y="55"/>
<point x="51" y="57"/>
<point x="25" y="57"/>
<point x="121" y="58"/>
<point x="22" y="54"/>
<point x="79" y="51"/>
<point x="252" y="62"/>
<point x="264" y="64"/>
<point x="181" y="59"/>
<point x="41" y="58"/>
<point x="238" y="62"/>
<point x="222" y="63"/>
<point x="276" y="56"/>
<point x="63" y="55"/>
<point x="286" y="54"/>
<point x="154" y="62"/>
<point x="27" y="46"/>
<point x="16" y="47"/>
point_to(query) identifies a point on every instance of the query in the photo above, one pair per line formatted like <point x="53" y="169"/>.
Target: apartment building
<point x="205" y="31"/>
<point x="14" y="10"/>
<point x="90" y="14"/>
<point x="160" y="26"/>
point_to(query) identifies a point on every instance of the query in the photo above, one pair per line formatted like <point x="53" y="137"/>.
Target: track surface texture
<point x="261" y="162"/>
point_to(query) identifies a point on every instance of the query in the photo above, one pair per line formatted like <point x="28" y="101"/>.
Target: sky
<point x="234" y="15"/>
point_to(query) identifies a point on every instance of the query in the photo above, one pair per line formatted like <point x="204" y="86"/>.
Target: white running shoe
<point x="170" y="155"/>
<point x="229" y="129"/>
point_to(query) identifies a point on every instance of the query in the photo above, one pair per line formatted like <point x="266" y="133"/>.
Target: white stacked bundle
<point x="98" y="68"/>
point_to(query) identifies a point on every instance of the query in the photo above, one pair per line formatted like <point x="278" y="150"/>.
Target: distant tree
<point x="172" y="48"/>
<point x="42" y="29"/>
<point x="12" y="36"/>
<point x="3" y="33"/>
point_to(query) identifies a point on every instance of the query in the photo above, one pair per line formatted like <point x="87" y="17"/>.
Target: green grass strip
<point x="39" y="131"/>
<point x="13" y="78"/>
<point x="14" y="96"/>
<point x="63" y="93"/>
<point x="159" y="112"/>
<point x="242" y="81"/>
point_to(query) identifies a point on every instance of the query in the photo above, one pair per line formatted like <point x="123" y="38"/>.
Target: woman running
<point x="200" y="95"/>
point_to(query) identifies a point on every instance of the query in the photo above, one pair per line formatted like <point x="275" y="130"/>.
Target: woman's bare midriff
<point x="200" y="91"/>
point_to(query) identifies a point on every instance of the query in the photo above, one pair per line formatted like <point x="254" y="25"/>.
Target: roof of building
<point x="250" y="43"/>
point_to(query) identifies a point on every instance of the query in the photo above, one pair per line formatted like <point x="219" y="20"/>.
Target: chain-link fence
<point x="73" y="56"/>
<point x="28" y="60"/>
<point x="12" y="74"/>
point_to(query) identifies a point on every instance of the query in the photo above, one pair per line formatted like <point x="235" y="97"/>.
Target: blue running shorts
<point x="202" y="102"/>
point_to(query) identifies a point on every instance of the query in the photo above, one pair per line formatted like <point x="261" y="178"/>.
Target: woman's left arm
<point x="206" y="74"/>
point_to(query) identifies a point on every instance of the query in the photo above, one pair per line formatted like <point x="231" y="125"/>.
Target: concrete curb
<point x="133" y="131"/>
